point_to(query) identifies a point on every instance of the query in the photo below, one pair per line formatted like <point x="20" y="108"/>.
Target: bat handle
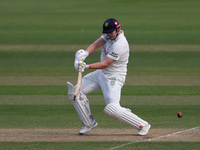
<point x="80" y="70"/>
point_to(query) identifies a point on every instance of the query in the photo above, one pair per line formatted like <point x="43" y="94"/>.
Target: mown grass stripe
<point x="133" y="47"/>
<point x="65" y="116"/>
<point x="99" y="100"/>
<point x="102" y="145"/>
<point x="130" y="80"/>
<point x="60" y="63"/>
<point x="127" y="90"/>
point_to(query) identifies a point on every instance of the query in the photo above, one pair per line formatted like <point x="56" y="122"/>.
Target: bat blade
<point x="78" y="86"/>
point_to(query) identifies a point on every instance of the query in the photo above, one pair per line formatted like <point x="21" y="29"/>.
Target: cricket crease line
<point x="163" y="136"/>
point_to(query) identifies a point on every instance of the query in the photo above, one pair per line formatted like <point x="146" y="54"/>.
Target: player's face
<point x="112" y="35"/>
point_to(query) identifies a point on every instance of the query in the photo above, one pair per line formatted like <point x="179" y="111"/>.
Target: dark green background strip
<point x="126" y="90"/>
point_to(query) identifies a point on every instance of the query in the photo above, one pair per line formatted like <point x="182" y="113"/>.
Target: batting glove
<point x="81" y="55"/>
<point x="82" y="66"/>
<point x="76" y="65"/>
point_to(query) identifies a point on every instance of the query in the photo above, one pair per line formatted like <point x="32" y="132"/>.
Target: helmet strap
<point x="116" y="35"/>
<point x="117" y="30"/>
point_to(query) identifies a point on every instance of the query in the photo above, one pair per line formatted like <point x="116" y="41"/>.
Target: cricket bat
<point x="79" y="84"/>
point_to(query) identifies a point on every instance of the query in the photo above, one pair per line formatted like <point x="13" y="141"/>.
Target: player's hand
<point x="80" y="65"/>
<point x="81" y="55"/>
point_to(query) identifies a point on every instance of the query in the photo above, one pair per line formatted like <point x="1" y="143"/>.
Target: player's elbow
<point x="105" y="65"/>
<point x="107" y="62"/>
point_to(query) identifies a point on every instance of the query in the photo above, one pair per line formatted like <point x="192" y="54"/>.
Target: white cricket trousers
<point x="109" y="84"/>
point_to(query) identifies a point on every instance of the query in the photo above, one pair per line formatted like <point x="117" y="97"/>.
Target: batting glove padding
<point x="76" y="65"/>
<point x="81" y="55"/>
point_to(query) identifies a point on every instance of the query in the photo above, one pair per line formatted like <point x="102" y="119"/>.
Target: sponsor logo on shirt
<point x="114" y="55"/>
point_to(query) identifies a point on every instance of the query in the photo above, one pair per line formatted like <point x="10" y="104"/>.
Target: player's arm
<point x="101" y="65"/>
<point x="97" y="44"/>
<point x="83" y="54"/>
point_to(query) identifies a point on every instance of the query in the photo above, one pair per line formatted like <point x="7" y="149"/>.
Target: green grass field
<point x="38" y="40"/>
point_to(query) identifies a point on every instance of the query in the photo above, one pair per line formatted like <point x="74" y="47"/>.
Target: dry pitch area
<point x="62" y="135"/>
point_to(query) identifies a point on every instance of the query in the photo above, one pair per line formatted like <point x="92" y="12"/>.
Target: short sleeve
<point x="104" y="36"/>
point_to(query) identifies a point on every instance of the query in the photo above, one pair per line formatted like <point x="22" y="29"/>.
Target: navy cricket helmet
<point x="110" y="25"/>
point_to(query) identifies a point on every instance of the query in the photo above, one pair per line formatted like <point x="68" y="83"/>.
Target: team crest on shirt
<point x="112" y="83"/>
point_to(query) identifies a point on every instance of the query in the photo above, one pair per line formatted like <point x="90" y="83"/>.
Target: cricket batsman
<point x="109" y="77"/>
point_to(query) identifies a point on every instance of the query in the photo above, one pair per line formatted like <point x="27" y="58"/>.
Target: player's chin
<point x="112" y="37"/>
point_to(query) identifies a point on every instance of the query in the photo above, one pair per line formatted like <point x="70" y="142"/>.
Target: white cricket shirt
<point x="117" y="50"/>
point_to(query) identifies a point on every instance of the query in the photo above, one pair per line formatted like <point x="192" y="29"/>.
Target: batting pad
<point x="81" y="105"/>
<point x="71" y="90"/>
<point x="124" y="115"/>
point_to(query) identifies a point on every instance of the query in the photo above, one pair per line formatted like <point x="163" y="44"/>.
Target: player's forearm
<point x="91" y="48"/>
<point x="98" y="65"/>
<point x="101" y="65"/>
<point x="97" y="44"/>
